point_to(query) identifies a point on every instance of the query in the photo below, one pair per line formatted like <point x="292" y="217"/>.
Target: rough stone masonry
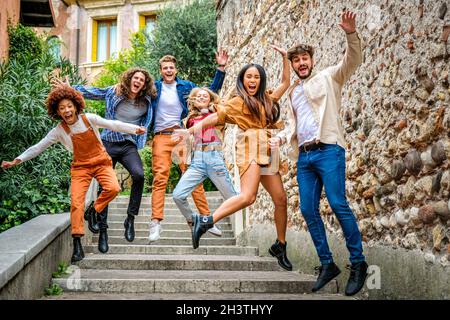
<point x="395" y="110"/>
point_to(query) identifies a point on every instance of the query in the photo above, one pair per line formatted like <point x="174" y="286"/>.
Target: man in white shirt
<point x="317" y="144"/>
<point x="170" y="108"/>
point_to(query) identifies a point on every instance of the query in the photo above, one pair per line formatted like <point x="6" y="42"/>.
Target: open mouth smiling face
<point x="252" y="80"/>
<point x="137" y="82"/>
<point x="202" y="99"/>
<point x="67" y="111"/>
<point x="302" y="64"/>
<point x="168" y="72"/>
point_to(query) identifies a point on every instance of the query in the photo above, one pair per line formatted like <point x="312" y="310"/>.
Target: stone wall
<point x="395" y="110"/>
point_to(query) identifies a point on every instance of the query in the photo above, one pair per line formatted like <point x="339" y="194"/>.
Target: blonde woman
<point x="208" y="160"/>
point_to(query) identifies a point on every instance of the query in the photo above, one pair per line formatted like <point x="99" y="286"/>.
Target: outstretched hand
<point x="282" y="51"/>
<point x="9" y="164"/>
<point x="56" y="82"/>
<point x="179" y="135"/>
<point x="348" y="22"/>
<point x="140" y="130"/>
<point x="221" y="57"/>
<point x="274" y="142"/>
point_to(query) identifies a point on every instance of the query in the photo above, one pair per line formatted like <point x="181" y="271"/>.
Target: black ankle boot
<point x="129" y="228"/>
<point x="278" y="250"/>
<point x="201" y="224"/>
<point x="103" y="241"/>
<point x="78" y="253"/>
<point x="91" y="216"/>
<point x="358" y="275"/>
<point x="103" y="236"/>
<point x="327" y="272"/>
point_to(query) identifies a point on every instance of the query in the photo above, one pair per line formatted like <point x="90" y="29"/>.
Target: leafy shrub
<point x="53" y="290"/>
<point x="62" y="270"/>
<point x="188" y="33"/>
<point x="23" y="41"/>
<point x="39" y="185"/>
<point x="146" y="157"/>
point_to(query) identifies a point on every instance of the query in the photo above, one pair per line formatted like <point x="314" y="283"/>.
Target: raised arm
<point x="91" y="93"/>
<point x="221" y="59"/>
<point x="353" y="55"/>
<point x="286" y="76"/>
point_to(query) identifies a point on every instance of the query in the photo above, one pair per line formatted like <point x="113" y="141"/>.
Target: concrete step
<point x="199" y="281"/>
<point x="146" y="218"/>
<point x="148" y="212"/>
<point x="179" y="262"/>
<point x="196" y="296"/>
<point x="224" y="226"/>
<point x="132" y="248"/>
<point x="124" y="206"/>
<point x="168" y="233"/>
<point x="209" y="195"/>
<point x="146" y="203"/>
<point x="169" y="240"/>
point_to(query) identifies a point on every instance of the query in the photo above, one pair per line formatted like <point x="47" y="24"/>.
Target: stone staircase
<point x="171" y="269"/>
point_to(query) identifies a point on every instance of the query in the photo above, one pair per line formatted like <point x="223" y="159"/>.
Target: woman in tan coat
<point x="255" y="111"/>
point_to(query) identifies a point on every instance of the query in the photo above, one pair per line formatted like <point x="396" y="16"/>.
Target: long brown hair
<point x="124" y="87"/>
<point x="271" y="108"/>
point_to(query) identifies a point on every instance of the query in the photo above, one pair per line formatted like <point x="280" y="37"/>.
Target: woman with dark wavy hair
<point x="78" y="132"/>
<point x="255" y="111"/>
<point x="128" y="101"/>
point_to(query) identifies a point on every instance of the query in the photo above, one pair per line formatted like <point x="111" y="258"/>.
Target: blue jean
<point x="325" y="167"/>
<point x="205" y="164"/>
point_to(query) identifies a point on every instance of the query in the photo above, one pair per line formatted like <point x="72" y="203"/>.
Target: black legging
<point x="125" y="152"/>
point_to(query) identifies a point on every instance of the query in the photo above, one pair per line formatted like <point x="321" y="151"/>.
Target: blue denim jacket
<point x="112" y="101"/>
<point x="184" y="87"/>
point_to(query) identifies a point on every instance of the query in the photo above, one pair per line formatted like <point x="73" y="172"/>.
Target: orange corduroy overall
<point x="90" y="160"/>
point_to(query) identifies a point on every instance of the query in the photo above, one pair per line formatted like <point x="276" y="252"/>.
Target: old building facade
<point x="92" y="31"/>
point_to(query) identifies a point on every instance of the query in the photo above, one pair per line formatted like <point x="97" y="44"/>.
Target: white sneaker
<point x="215" y="231"/>
<point x="155" y="230"/>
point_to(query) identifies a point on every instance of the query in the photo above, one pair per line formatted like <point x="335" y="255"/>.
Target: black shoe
<point x="87" y="212"/>
<point x="327" y="272"/>
<point x="78" y="253"/>
<point x="129" y="228"/>
<point x="278" y="250"/>
<point x="91" y="216"/>
<point x="201" y="224"/>
<point x="103" y="241"/>
<point x="103" y="227"/>
<point x="358" y="275"/>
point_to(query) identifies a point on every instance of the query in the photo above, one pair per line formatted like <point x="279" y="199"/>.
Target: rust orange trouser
<point x="162" y="160"/>
<point x="81" y="179"/>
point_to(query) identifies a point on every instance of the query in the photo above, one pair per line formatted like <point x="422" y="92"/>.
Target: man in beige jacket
<point x="317" y="143"/>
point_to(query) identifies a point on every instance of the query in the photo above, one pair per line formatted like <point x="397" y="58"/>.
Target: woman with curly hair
<point x="79" y="133"/>
<point x="128" y="101"/>
<point x="208" y="160"/>
<point x="255" y="111"/>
